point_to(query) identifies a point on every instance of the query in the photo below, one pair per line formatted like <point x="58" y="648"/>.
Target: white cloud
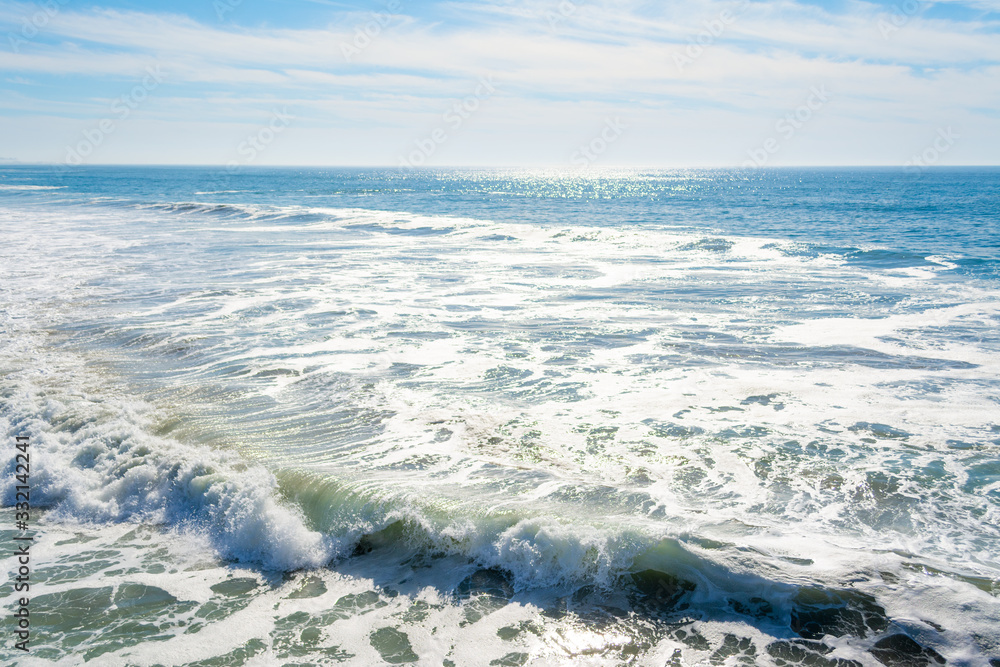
<point x="606" y="57"/>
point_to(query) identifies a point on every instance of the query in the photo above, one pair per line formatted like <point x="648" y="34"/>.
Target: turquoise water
<point x="506" y="417"/>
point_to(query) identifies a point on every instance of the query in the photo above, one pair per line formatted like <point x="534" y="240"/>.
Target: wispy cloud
<point x="607" y="57"/>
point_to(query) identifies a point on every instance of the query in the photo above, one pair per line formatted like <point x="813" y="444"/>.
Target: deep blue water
<point x="937" y="210"/>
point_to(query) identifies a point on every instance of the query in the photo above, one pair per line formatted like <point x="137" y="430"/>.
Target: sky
<point x="581" y="83"/>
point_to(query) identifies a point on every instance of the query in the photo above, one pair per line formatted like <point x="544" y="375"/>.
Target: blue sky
<point x="515" y="82"/>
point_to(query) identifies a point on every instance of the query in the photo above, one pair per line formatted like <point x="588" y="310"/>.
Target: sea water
<point x="503" y="417"/>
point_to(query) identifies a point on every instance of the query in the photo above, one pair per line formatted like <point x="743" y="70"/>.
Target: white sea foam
<point x="99" y="462"/>
<point x="558" y="404"/>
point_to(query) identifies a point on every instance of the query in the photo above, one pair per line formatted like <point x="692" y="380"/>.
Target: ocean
<point x="502" y="416"/>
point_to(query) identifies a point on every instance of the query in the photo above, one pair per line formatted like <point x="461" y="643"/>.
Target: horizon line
<point x="563" y="167"/>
